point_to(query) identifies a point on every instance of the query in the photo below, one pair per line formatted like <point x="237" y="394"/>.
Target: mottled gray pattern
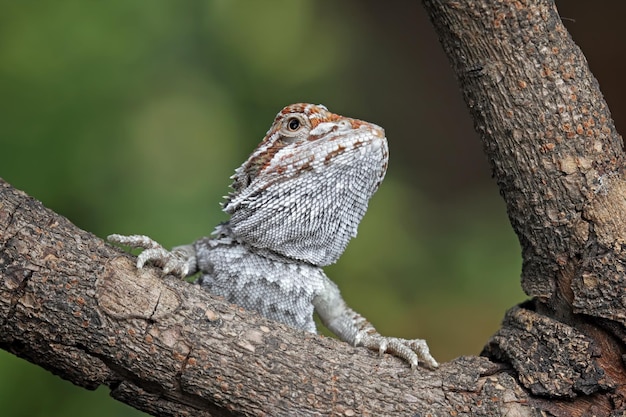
<point x="296" y="203"/>
<point x="278" y="290"/>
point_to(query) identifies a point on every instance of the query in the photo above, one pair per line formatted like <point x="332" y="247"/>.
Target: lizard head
<point x="305" y="188"/>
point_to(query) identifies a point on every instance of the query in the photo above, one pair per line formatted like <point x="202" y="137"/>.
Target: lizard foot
<point x="179" y="261"/>
<point x="413" y="351"/>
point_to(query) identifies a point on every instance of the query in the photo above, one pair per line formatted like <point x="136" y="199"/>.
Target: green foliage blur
<point x="129" y="117"/>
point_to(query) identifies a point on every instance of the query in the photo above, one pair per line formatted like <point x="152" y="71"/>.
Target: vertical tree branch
<point x="558" y="162"/>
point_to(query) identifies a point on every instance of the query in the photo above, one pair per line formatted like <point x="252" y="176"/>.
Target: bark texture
<point x="79" y="308"/>
<point x="558" y="162"/>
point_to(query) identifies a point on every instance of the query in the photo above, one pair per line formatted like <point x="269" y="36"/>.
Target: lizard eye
<point x="293" y="124"/>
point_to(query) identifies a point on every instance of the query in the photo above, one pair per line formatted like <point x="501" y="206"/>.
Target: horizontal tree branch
<point x="79" y="308"/>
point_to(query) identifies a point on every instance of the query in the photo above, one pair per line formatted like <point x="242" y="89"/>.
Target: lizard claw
<point x="413" y="351"/>
<point x="179" y="261"/>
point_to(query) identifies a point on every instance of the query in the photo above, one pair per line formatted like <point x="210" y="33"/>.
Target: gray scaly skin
<point x="296" y="203"/>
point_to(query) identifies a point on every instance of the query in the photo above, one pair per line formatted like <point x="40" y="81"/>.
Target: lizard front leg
<point x="353" y="328"/>
<point x="181" y="260"/>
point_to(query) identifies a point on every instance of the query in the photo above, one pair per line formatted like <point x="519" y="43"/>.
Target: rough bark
<point x="79" y="308"/>
<point x="558" y="162"/>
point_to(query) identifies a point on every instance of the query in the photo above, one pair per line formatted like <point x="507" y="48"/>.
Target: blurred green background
<point x="129" y="117"/>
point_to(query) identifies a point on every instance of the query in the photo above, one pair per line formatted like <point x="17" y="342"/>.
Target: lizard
<point x="295" y="204"/>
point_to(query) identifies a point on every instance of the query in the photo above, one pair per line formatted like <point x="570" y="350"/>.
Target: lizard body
<point x="296" y="202"/>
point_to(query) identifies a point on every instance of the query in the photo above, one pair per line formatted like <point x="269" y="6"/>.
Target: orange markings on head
<point x="318" y="114"/>
<point x="357" y="123"/>
<point x="332" y="154"/>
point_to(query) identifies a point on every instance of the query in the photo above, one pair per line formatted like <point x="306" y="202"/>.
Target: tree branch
<point x="79" y="308"/>
<point x="558" y="161"/>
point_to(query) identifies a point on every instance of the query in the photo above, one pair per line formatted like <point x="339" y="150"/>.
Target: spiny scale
<point x="304" y="190"/>
<point x="296" y="202"/>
